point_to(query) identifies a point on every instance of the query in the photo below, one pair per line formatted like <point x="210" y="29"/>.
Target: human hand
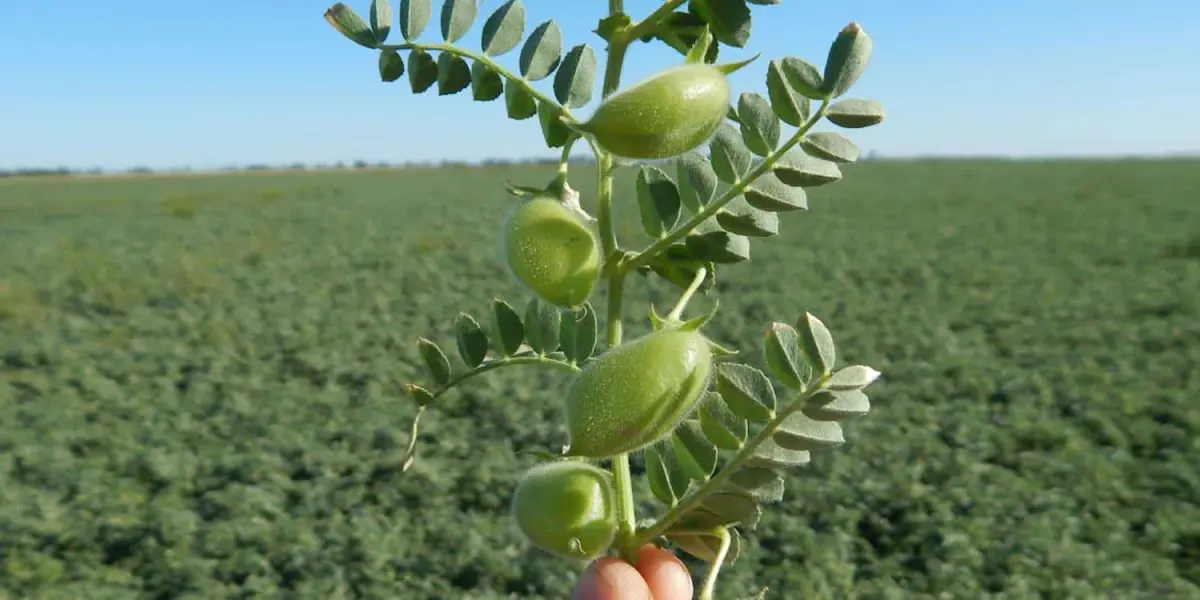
<point x="659" y="575"/>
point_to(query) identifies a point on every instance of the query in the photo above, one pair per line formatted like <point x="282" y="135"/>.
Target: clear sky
<point x="118" y="83"/>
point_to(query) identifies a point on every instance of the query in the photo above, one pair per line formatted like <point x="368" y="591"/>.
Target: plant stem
<point x="483" y="58"/>
<point x="652" y="20"/>
<point x="660" y="245"/>
<point x="746" y="453"/>
<point x="612" y="70"/>
<point x="499" y="363"/>
<point x="697" y="281"/>
<point x="710" y="580"/>
<point x="622" y="477"/>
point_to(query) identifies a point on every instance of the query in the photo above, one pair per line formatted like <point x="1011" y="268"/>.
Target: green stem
<point x="697" y="281"/>
<point x="621" y="41"/>
<point x="644" y="257"/>
<point x="710" y="580"/>
<point x="482" y="58"/>
<point x="622" y="478"/>
<point x="612" y="70"/>
<point x="500" y="363"/>
<point x="652" y="20"/>
<point x="694" y="499"/>
<point x="565" y="156"/>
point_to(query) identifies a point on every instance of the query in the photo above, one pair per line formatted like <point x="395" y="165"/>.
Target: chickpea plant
<point x="713" y="173"/>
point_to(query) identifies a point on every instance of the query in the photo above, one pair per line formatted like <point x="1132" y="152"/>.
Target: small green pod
<point x="551" y="251"/>
<point x="636" y="393"/>
<point x="664" y="115"/>
<point x="567" y="507"/>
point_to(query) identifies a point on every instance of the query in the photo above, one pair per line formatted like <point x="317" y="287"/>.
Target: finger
<point x="665" y="575"/>
<point x="610" y="578"/>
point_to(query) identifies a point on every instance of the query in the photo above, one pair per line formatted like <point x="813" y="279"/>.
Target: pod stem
<point x="710" y="579"/>
<point x="697" y="281"/>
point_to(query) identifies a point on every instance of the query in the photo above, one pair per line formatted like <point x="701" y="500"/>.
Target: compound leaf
<point x="422" y="70"/>
<point x="696" y="455"/>
<point x="709" y="242"/>
<point x="791" y="107"/>
<point x="391" y="66"/>
<point x="579" y="331"/>
<point x="543" y="323"/>
<point x="729" y="20"/>
<point x="760" y="126"/>
<point x="817" y="343"/>
<point x="554" y="131"/>
<point x="576" y="77"/>
<point x="741" y="218"/>
<point x="414" y="17"/>
<point x="723" y="428"/>
<point x="797" y="168"/>
<point x="828" y="405"/>
<point x="507" y="327"/>
<point x="518" y="102"/>
<point x="657" y="477"/>
<point x="747" y="391"/>
<point x="542" y="52"/>
<point x="848" y="57"/>
<point x="486" y="83"/>
<point x="381" y="19"/>
<point x="773" y="456"/>
<point x="853" y="377"/>
<point x="419" y="394"/>
<point x="830" y="146"/>
<point x="504" y="28"/>
<point x="770" y="194"/>
<point x="676" y="476"/>
<point x="457" y="18"/>
<point x="798" y="432"/>
<point x="472" y="340"/>
<point x="785" y="356"/>
<point x="697" y="180"/>
<point x="732" y="506"/>
<point x="730" y="156"/>
<point x="803" y="77"/>
<point x="706" y="547"/>
<point x="766" y="485"/>
<point x="658" y="200"/>
<point x="855" y="113"/>
<point x="347" y="22"/>
<point x="436" y="363"/>
<point x="454" y="74"/>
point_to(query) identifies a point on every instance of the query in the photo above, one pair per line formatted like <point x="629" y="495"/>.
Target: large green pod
<point x="551" y="251"/>
<point x="636" y="393"/>
<point x="664" y="115"/>
<point x="567" y="507"/>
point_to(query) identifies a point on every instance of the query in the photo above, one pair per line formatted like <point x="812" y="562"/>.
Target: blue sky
<point x="222" y="82"/>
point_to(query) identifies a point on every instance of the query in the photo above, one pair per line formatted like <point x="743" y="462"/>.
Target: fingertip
<point x="610" y="578"/>
<point x="665" y="575"/>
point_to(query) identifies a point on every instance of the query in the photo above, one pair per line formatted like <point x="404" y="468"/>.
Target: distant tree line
<point x="296" y="166"/>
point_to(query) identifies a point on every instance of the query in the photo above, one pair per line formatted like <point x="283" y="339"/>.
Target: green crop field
<point x="200" y="385"/>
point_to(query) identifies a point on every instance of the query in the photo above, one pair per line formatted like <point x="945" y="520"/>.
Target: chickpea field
<point x="200" y="385"/>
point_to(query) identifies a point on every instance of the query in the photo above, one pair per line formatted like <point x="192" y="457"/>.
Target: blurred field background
<point x="199" y="385"/>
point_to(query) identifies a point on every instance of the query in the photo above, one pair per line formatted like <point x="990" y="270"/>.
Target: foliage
<point x="622" y="401"/>
<point x="211" y="406"/>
